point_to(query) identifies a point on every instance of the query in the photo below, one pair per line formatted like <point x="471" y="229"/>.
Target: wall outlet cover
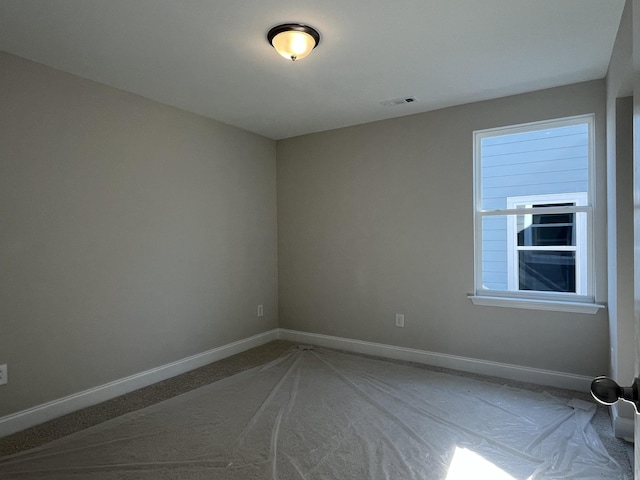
<point x="3" y="374"/>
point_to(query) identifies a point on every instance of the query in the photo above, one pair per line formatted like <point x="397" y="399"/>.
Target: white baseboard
<point x="48" y="411"/>
<point x="504" y="370"/>
<point x="623" y="427"/>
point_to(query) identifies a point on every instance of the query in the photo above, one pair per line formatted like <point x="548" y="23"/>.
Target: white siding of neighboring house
<point x="540" y="162"/>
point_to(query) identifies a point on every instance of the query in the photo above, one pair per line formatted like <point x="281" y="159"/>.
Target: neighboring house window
<point x="533" y="211"/>
<point x="547" y="251"/>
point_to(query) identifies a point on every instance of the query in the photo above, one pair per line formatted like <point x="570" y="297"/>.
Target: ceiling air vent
<point x="398" y="101"/>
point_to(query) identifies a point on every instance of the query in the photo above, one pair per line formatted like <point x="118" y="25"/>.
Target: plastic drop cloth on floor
<point x="321" y="414"/>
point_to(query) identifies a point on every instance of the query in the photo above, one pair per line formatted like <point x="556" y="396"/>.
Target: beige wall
<point x="624" y="353"/>
<point x="377" y="219"/>
<point x="132" y="234"/>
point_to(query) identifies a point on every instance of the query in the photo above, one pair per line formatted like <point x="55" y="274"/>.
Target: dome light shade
<point x="293" y="41"/>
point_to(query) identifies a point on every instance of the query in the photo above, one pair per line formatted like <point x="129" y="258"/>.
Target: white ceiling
<point x="211" y="57"/>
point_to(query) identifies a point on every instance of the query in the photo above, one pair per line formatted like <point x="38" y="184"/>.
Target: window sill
<point x="534" y="304"/>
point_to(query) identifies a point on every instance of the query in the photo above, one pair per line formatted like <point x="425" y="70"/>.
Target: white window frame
<point x="558" y="301"/>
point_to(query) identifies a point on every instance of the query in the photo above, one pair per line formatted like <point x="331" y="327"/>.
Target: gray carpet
<point x="259" y="356"/>
<point x="142" y="398"/>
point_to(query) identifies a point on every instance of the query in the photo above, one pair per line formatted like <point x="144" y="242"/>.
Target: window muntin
<point x="533" y="211"/>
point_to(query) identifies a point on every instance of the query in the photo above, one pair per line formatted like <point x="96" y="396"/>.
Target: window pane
<point x="554" y="217"/>
<point x="541" y="257"/>
<point x="546" y="230"/>
<point x="547" y="271"/>
<point x="539" y="162"/>
<point x="494" y="253"/>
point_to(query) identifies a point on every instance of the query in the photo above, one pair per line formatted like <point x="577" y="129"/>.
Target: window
<point x="534" y="212"/>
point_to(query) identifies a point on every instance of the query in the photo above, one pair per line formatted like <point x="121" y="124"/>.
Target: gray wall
<point x="132" y="234"/>
<point x="377" y="219"/>
<point x="623" y="318"/>
<point x="620" y="210"/>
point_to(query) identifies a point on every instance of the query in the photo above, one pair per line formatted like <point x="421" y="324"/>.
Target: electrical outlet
<point x="400" y="320"/>
<point x="3" y="374"/>
<point x="260" y="311"/>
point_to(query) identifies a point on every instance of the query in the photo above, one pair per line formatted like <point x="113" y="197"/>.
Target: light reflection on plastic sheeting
<point x="466" y="465"/>
<point x="318" y="414"/>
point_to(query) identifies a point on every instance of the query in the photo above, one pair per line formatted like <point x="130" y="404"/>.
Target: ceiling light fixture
<point x="293" y="40"/>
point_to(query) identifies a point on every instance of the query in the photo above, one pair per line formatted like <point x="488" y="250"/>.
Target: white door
<point x="636" y="203"/>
